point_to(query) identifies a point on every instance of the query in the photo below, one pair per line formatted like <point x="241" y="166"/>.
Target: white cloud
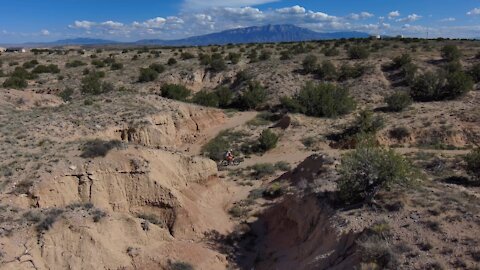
<point x="292" y="10"/>
<point x="392" y="15"/>
<point x="410" y="18"/>
<point x="112" y="25"/>
<point x="473" y="12"/>
<point x="359" y="16"/>
<point x="451" y="19"/>
<point x="205" y="4"/>
<point x="45" y="32"/>
<point x="82" y="25"/>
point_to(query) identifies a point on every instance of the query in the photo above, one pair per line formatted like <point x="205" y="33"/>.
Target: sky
<point x="130" y="20"/>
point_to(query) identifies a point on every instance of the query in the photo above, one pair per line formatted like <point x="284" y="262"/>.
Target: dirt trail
<point x="238" y="119"/>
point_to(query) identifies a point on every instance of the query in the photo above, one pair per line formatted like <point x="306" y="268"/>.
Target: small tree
<point x="147" y="75"/>
<point x="325" y="100"/>
<point x="93" y="85"/>
<point x="474" y="72"/>
<point x="253" y="97"/>
<point x="451" y="53"/>
<point x="327" y="71"/>
<point x="218" y="65"/>
<point x="310" y="63"/>
<point x="398" y="101"/>
<point x="224" y="95"/>
<point x="159" y="68"/>
<point x="171" y="61"/>
<point x="358" y="52"/>
<point x="473" y="163"/>
<point x="427" y="87"/>
<point x="458" y="84"/>
<point x="366" y="170"/>
<point x="175" y="91"/>
<point x="268" y="140"/>
<point x="204" y="98"/>
<point x="401" y="61"/>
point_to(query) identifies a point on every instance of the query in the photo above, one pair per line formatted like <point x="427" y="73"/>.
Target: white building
<point x="2" y="49"/>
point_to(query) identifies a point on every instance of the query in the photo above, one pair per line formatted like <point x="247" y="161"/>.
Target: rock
<point x="72" y="167"/>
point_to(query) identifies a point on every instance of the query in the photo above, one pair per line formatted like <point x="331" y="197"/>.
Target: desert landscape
<point x="350" y="154"/>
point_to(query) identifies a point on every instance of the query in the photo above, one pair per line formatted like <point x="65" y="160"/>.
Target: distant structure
<point x="15" y="50"/>
<point x="2" y="49"/>
<point x="377" y="37"/>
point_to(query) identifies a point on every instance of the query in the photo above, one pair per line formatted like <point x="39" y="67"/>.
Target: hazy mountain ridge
<point x="255" y="34"/>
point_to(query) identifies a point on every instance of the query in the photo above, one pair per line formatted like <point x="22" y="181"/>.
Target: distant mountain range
<point x="255" y="34"/>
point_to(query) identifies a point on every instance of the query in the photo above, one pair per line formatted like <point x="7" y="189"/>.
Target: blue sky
<point x="125" y="20"/>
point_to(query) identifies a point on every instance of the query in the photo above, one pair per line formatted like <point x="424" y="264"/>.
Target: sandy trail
<point x="239" y="119"/>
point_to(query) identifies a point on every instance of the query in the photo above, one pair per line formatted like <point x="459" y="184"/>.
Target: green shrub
<point x="408" y="73"/>
<point x="358" y="52"/>
<point x="474" y="72"/>
<point x="253" y="97"/>
<point x="331" y="51"/>
<point x="366" y="170"/>
<point x="180" y="266"/>
<point x="261" y="170"/>
<point x="427" y="87"/>
<point x="218" y="64"/>
<point x="285" y="55"/>
<point x="215" y="148"/>
<point x="93" y="85"/>
<point x="401" y="61"/>
<point x="175" y="91"/>
<point x="399" y="133"/>
<point x="224" y="95"/>
<point x="147" y="75"/>
<point x="15" y="83"/>
<point x="265" y="55"/>
<point x="324" y="100"/>
<point x="159" y="68"/>
<point x="98" y="63"/>
<point x="453" y="66"/>
<point x="291" y="104"/>
<point x="30" y="64"/>
<point x="253" y="56"/>
<point x="234" y="57"/>
<point x="327" y="71"/>
<point x="204" y="98"/>
<point x="310" y="63"/>
<point x="268" y="140"/>
<point x="171" y="61"/>
<point x="187" y="55"/>
<point x="398" y="101"/>
<point x="46" y="69"/>
<point x="458" y="84"/>
<point x="348" y="71"/>
<point x="99" y="148"/>
<point x="451" y="53"/>
<point x="367" y="123"/>
<point x="66" y="94"/>
<point x="116" y="66"/>
<point x="205" y="59"/>
<point x="473" y="163"/>
<point x="75" y="63"/>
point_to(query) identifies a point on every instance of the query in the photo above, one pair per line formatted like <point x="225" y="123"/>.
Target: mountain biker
<point x="229" y="156"/>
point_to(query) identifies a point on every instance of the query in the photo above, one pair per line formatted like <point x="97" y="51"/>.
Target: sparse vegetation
<point x="175" y="91"/>
<point x="358" y="52"/>
<point x="98" y="148"/>
<point x="398" y="101"/>
<point x="268" y="140"/>
<point x="473" y="163"/>
<point x="321" y="100"/>
<point x="368" y="169"/>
